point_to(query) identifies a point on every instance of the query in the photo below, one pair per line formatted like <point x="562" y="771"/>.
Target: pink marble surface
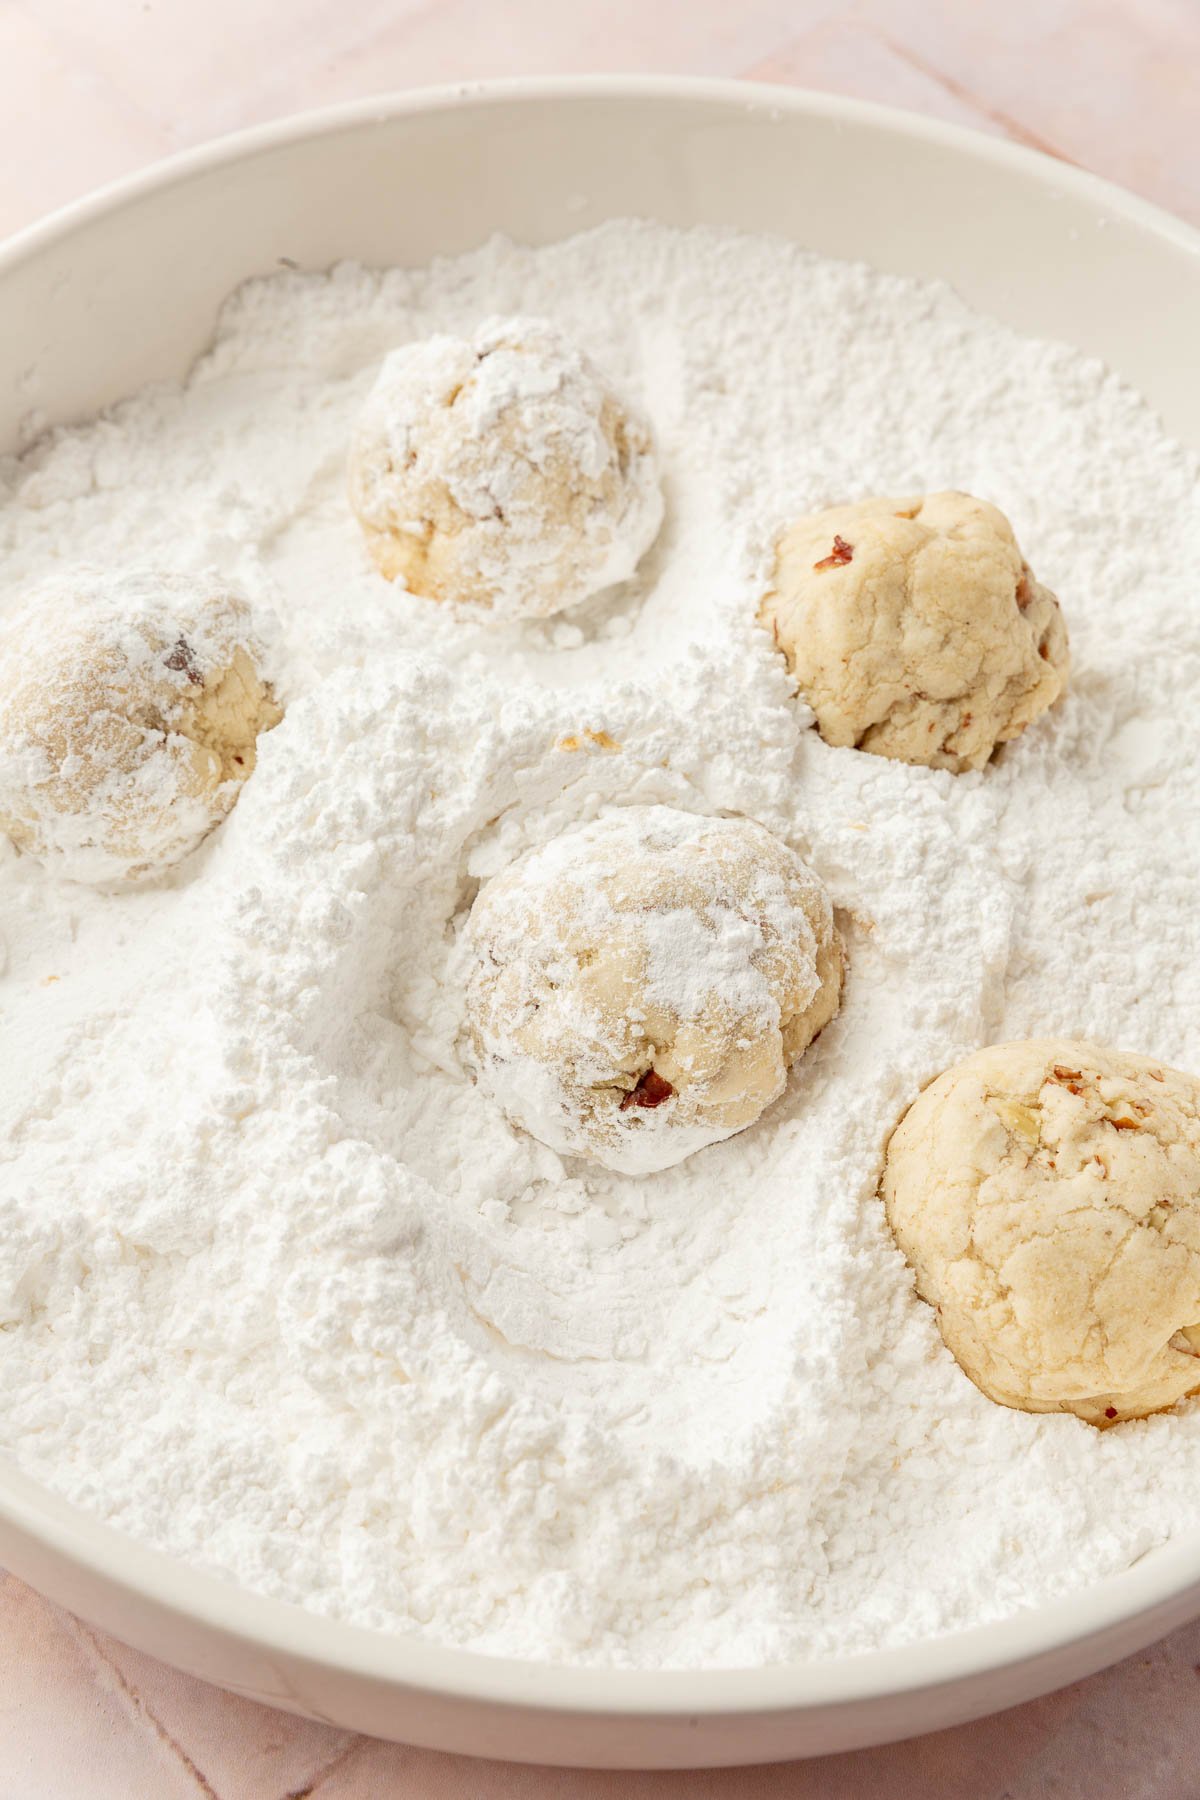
<point x="92" y="88"/>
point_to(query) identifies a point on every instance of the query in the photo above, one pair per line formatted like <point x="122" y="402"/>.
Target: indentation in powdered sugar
<point x="547" y="1255"/>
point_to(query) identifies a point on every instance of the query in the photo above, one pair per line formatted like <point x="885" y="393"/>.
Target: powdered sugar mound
<point x="281" y="1289"/>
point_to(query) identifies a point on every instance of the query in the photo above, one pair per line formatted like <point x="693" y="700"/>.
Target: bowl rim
<point x="289" y="1631"/>
<point x="753" y="96"/>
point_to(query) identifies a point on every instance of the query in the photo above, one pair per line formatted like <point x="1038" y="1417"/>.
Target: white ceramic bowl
<point x="124" y="288"/>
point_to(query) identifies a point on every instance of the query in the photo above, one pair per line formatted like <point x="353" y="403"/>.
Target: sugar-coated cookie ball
<point x="503" y="474"/>
<point x="1047" y="1195"/>
<point x="130" y="705"/>
<point x="639" y="987"/>
<point x="915" y="628"/>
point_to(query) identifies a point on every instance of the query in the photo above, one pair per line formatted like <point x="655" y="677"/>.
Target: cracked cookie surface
<point x="502" y="474"/>
<point x="915" y="628"/>
<point x="1047" y="1196"/>
<point x="130" y="709"/>
<point x="638" y="987"/>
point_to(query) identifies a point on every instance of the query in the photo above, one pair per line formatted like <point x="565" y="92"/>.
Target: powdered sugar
<point x="281" y="1290"/>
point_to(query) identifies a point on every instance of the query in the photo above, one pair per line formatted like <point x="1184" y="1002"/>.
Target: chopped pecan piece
<point x="182" y="659"/>
<point x="842" y="552"/>
<point x="650" y="1091"/>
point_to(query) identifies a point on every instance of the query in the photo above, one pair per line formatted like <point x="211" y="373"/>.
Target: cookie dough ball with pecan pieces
<point x="503" y="473"/>
<point x="915" y="628"/>
<point x="639" y="987"/>
<point x="1047" y="1195"/>
<point x="130" y="708"/>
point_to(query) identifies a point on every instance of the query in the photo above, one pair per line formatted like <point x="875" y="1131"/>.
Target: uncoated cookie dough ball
<point x="1047" y="1195"/>
<point x="503" y="474"/>
<point x="640" y="986"/>
<point x="130" y="705"/>
<point x="915" y="628"/>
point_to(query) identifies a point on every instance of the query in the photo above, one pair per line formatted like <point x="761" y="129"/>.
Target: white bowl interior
<point x="124" y="289"/>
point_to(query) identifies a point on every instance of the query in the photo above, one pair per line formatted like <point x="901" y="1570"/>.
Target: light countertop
<point x="90" y="89"/>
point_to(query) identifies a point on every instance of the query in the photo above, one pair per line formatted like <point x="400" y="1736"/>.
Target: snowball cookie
<point x="1047" y="1194"/>
<point x="129" y="708"/>
<point x="503" y="473"/>
<point x="915" y="629"/>
<point x="640" y="986"/>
